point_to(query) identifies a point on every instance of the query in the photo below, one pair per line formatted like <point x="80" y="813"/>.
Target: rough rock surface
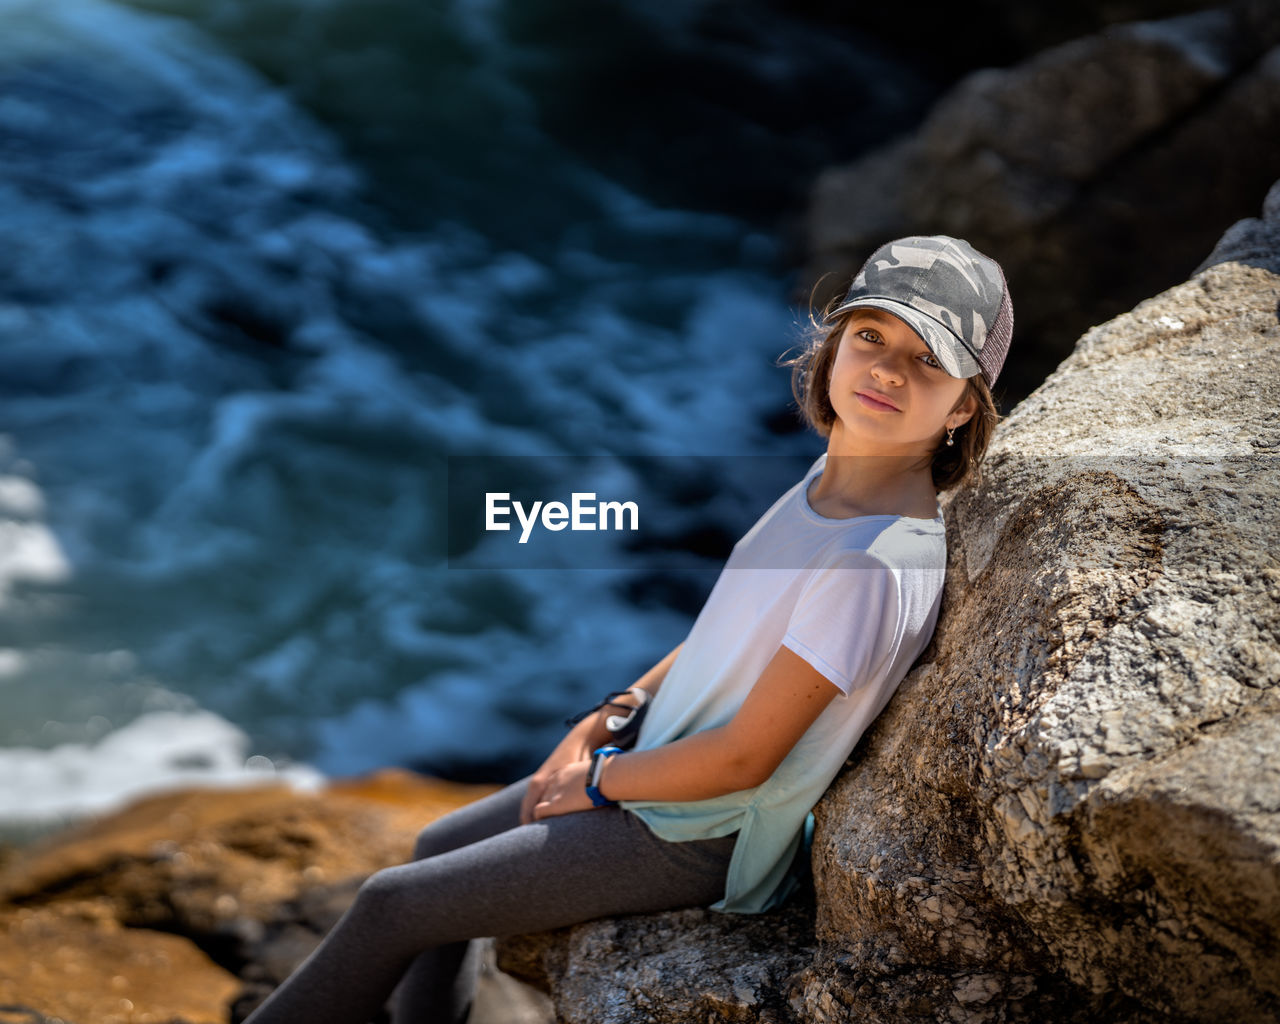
<point x="685" y="965"/>
<point x="1071" y="809"/>
<point x="1066" y="166"/>
<point x="186" y="903"/>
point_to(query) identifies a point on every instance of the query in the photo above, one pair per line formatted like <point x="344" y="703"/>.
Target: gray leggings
<point x="478" y="872"/>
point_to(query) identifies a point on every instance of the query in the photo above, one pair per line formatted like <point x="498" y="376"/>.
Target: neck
<point x="863" y="482"/>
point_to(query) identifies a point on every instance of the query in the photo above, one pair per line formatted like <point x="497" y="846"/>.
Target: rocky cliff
<point x="1071" y="809"/>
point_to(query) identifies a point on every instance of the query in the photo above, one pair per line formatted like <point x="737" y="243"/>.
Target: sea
<point x="281" y="280"/>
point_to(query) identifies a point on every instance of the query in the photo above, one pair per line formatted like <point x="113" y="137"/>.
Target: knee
<point x="427" y="844"/>
<point x="438" y="837"/>
<point x="466" y="825"/>
<point x="380" y="892"/>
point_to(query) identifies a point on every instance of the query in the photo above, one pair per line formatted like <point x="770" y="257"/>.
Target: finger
<point x="531" y="798"/>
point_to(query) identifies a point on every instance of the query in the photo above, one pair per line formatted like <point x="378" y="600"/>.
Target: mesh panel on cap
<point x="996" y="347"/>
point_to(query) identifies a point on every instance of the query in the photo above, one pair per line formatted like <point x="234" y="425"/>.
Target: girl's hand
<point x="537" y="786"/>
<point x="564" y="755"/>
<point x="565" y="792"/>
<point x="581" y="740"/>
<point x="572" y="748"/>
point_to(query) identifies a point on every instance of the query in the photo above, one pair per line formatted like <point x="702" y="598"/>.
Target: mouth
<point x="875" y="400"/>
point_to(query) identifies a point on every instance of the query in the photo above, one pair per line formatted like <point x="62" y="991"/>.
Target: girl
<point x="820" y="611"/>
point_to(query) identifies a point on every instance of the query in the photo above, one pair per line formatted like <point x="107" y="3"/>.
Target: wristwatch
<point x="598" y="759"/>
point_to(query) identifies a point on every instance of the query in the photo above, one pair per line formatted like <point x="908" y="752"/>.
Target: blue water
<point x="270" y="265"/>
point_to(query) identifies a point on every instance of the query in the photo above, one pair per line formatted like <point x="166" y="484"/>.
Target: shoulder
<point x="892" y="544"/>
<point x="906" y="558"/>
<point x="914" y="544"/>
<point x="852" y="574"/>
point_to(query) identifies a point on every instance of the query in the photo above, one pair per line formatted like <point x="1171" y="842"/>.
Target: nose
<point x="888" y="368"/>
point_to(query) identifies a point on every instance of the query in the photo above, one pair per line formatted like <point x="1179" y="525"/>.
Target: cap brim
<point x="957" y="360"/>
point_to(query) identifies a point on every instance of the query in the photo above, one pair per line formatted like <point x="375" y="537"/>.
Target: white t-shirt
<point x="857" y="599"/>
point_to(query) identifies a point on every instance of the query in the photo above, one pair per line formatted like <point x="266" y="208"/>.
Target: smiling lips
<point x="877" y="401"/>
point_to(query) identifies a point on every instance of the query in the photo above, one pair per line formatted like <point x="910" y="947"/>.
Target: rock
<point x="680" y="966"/>
<point x="184" y="903"/>
<point x="78" y="963"/>
<point x="1059" y="165"/>
<point x="1079" y="783"/>
<point x="1254" y="240"/>
<point x="1071" y="809"/>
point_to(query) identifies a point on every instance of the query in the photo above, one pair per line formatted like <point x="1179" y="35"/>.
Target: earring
<point x="950" y="436"/>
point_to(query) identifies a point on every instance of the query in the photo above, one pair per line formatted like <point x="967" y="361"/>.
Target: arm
<point x="589" y="734"/>
<point x="788" y="698"/>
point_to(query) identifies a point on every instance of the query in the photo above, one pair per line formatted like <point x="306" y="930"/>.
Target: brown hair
<point x="811" y="381"/>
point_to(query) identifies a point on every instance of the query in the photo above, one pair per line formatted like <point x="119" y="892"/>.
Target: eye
<point x="931" y="360"/>
<point x="868" y="334"/>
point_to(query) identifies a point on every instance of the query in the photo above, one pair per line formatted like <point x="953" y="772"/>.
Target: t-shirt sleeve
<point x="845" y="622"/>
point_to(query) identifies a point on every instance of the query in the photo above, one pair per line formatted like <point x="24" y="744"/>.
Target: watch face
<point x="598" y="758"/>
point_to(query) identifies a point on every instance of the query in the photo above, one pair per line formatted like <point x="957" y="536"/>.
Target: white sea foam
<point x="41" y="789"/>
<point x="29" y="551"/>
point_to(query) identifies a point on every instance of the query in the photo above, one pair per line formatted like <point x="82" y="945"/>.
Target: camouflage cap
<point x="946" y="291"/>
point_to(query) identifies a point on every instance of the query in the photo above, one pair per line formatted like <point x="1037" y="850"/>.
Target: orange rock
<point x="164" y="903"/>
<point x="69" y="962"/>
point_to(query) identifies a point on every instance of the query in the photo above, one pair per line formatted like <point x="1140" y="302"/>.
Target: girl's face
<point x="889" y="393"/>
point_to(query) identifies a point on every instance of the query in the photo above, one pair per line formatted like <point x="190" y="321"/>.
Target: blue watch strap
<point x="598" y="759"/>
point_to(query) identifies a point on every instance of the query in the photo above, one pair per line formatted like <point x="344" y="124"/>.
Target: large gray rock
<point x="1071" y="809"/>
<point x="1081" y="781"/>
<point x="1098" y="172"/>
